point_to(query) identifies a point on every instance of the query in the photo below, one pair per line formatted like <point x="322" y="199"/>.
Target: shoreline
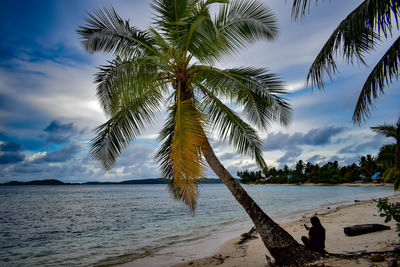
<point x="207" y="251"/>
<point x="322" y="184"/>
<point x="334" y="219"/>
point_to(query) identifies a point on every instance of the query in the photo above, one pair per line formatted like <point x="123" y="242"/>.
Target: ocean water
<point x="112" y="224"/>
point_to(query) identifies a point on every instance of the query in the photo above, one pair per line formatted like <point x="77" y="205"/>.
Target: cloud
<point x="137" y="162"/>
<point x="59" y="133"/>
<point x="62" y="155"/>
<point x="374" y="142"/>
<point x="290" y="156"/>
<point x="9" y="153"/>
<point x="314" y="137"/>
<point x="11" y="147"/>
<point x="314" y="159"/>
<point x="11" y="158"/>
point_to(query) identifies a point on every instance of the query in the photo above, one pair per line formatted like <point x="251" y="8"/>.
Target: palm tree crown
<point x="388" y="130"/>
<point x="171" y="66"/>
<point x="357" y="35"/>
<point x="393" y="131"/>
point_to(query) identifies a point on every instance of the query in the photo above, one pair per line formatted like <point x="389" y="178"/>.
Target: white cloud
<point x="36" y="156"/>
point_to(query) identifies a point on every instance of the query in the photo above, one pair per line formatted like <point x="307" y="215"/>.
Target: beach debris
<point x="377" y="258"/>
<point x="361" y="229"/>
<point x="248" y="236"/>
<point x="356" y="200"/>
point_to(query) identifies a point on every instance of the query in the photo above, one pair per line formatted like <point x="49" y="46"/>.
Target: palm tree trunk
<point x="282" y="246"/>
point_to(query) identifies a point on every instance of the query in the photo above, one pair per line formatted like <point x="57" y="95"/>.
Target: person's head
<point x="315" y="221"/>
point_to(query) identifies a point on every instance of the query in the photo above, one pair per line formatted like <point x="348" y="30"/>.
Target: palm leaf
<point x="199" y="37"/>
<point x="388" y="130"/>
<point x="180" y="155"/>
<point x="230" y="125"/>
<point x="382" y="75"/>
<point x="300" y="7"/>
<point x="169" y="15"/>
<point x="129" y="121"/>
<point x="377" y="14"/>
<point x="127" y="75"/>
<point x="355" y="36"/>
<point x="105" y="31"/>
<point x="352" y="37"/>
<point x="243" y="22"/>
<point x="255" y="89"/>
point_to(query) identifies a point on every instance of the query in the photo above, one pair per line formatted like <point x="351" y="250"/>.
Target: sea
<point x="142" y="225"/>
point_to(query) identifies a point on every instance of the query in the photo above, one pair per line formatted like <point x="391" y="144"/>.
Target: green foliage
<point x="386" y="156"/>
<point x="389" y="211"/>
<point x="306" y="172"/>
<point x="247" y="177"/>
<point x="392" y="175"/>
<point x="368" y="166"/>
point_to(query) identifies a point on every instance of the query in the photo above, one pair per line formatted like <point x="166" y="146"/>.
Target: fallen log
<point x="361" y="229"/>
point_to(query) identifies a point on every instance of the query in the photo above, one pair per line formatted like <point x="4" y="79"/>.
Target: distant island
<point x="143" y="181"/>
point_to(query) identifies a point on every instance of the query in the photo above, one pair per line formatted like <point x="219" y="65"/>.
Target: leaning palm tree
<point x="393" y="131"/>
<point x="357" y="35"/>
<point x="171" y="66"/>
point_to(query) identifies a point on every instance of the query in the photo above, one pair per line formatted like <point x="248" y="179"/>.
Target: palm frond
<point x="382" y="75"/>
<point x="229" y="125"/>
<point x="135" y="112"/>
<point x="180" y="155"/>
<point x="353" y="38"/>
<point x="170" y="13"/>
<point x="300" y="7"/>
<point x="127" y="75"/>
<point x="377" y="14"/>
<point x="388" y="130"/>
<point x="243" y="22"/>
<point x="255" y="89"/>
<point x="199" y="37"/>
<point x="105" y="31"/>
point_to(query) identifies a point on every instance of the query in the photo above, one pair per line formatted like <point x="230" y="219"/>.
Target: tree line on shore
<point x="329" y="173"/>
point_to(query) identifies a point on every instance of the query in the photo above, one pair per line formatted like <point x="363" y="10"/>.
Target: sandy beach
<point x="252" y="253"/>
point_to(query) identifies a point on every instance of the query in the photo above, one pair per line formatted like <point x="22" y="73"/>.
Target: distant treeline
<point x="143" y="181"/>
<point x="329" y="173"/>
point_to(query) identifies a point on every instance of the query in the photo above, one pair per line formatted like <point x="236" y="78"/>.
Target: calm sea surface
<point x="107" y="224"/>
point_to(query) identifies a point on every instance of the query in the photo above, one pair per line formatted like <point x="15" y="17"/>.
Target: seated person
<point x="316" y="236"/>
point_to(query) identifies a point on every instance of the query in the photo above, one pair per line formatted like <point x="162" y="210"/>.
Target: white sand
<point x="334" y="220"/>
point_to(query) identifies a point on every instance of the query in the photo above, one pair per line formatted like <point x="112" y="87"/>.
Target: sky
<point x="49" y="110"/>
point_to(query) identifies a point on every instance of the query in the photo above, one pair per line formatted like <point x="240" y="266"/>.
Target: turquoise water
<point x="98" y="224"/>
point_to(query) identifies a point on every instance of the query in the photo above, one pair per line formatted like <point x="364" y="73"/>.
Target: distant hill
<point x="39" y="182"/>
<point x="143" y="181"/>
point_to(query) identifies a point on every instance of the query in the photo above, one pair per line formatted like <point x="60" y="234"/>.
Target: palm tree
<point x="391" y="130"/>
<point x="171" y="66"/>
<point x="385" y="156"/>
<point x="357" y="35"/>
<point x="367" y="165"/>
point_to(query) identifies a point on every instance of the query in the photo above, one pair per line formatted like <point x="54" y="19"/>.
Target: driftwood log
<point x="361" y="229"/>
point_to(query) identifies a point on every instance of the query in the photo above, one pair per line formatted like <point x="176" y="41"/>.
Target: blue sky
<point x="48" y="107"/>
